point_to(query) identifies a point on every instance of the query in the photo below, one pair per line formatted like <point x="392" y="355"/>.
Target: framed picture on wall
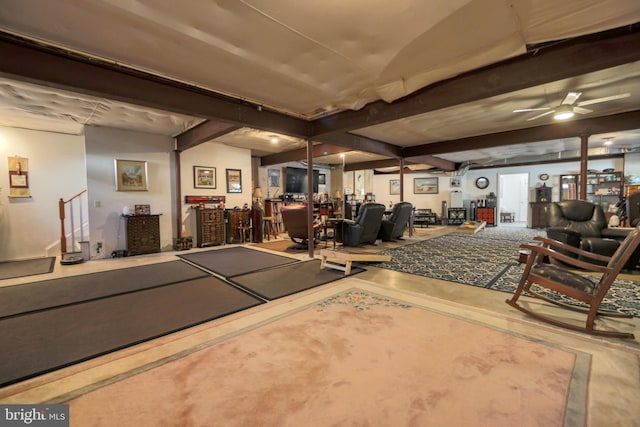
<point x="234" y="181"/>
<point x="204" y="177"/>
<point x="131" y="175"/>
<point x="274" y="177"/>
<point x="394" y="187"/>
<point x="425" y="185"/>
<point x="322" y="179"/>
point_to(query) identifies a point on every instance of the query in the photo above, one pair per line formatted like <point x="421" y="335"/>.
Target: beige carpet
<point x="349" y="356"/>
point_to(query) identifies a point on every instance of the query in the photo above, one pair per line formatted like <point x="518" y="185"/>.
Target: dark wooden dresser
<point x="538" y="214"/>
<point x="210" y="226"/>
<point x="143" y="234"/>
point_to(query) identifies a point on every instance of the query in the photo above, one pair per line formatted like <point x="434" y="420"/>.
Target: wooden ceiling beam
<point x="563" y="60"/>
<point x="362" y="143"/>
<point x="436" y="162"/>
<point x="318" y="150"/>
<point x="573" y="129"/>
<point x="27" y="61"/>
<point x="205" y="131"/>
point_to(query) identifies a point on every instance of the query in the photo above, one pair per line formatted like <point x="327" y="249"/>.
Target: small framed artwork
<point x="18" y="177"/>
<point x="234" y="181"/>
<point x="274" y="177"/>
<point x="394" y="187"/>
<point x="425" y="185"/>
<point x="204" y="177"/>
<point x="131" y="175"/>
<point x="322" y="179"/>
<point x="456" y="181"/>
<point x="143" y="209"/>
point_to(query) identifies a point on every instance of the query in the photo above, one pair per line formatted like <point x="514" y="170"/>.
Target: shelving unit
<point x="602" y="187"/>
<point x="273" y="208"/>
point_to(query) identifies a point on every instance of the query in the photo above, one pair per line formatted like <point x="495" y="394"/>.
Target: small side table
<point x="337" y="222"/>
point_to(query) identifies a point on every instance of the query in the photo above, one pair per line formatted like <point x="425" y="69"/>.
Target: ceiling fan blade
<point x="524" y="110"/>
<point x="605" y="99"/>
<point x="540" y="115"/>
<point x="581" y="110"/>
<point x="571" y="98"/>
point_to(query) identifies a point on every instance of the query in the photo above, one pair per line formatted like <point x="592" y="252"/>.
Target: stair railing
<point x="73" y="207"/>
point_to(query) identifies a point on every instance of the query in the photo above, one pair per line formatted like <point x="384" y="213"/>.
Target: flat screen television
<point x="296" y="180"/>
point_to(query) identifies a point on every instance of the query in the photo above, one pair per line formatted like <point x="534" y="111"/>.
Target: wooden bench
<point x="342" y="260"/>
<point x="470" y="228"/>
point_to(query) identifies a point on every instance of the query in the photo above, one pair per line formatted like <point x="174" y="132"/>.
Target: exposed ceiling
<point x="434" y="82"/>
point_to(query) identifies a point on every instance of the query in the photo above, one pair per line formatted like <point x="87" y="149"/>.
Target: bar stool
<point x="267" y="226"/>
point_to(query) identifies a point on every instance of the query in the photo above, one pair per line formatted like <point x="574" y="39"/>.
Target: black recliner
<point x="364" y="229"/>
<point x="393" y="227"/>
<point x="584" y="225"/>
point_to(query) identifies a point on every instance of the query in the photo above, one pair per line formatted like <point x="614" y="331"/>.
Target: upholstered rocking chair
<point x="564" y="281"/>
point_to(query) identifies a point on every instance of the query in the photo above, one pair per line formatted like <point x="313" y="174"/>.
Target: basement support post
<point x="310" y="235"/>
<point x="178" y="186"/>
<point x="584" y="156"/>
<point x="402" y="179"/>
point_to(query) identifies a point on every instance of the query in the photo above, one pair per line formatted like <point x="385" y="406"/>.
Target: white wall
<point x="470" y="192"/>
<point x="221" y="157"/>
<point x="103" y="146"/>
<point x="30" y="227"/>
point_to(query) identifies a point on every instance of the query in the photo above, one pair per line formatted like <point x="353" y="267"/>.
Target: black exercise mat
<point x="237" y="260"/>
<point x="43" y="341"/>
<point x="68" y="290"/>
<point x="285" y="280"/>
<point x="26" y="267"/>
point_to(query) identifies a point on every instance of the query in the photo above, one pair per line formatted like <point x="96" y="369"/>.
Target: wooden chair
<point x="564" y="281"/>
<point x="244" y="229"/>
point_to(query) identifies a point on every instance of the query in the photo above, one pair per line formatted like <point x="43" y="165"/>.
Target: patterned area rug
<point x="489" y="259"/>
<point x="352" y="358"/>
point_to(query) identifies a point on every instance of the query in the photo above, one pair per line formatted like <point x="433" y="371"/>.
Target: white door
<point x="513" y="196"/>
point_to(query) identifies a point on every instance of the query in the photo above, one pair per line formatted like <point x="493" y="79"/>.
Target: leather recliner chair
<point x="583" y="225"/>
<point x="394" y="226"/>
<point x="365" y="228"/>
<point x="294" y="219"/>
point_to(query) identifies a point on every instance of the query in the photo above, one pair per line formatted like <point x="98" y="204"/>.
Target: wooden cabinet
<point x="209" y="226"/>
<point x="487" y="214"/>
<point x="143" y="234"/>
<point x="456" y="216"/>
<point x="234" y="218"/>
<point x="538" y="214"/>
<point x="424" y="217"/>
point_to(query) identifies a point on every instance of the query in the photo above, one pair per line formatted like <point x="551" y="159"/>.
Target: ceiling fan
<point x="568" y="107"/>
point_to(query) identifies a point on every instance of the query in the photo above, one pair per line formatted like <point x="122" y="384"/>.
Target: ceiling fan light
<point x="563" y="112"/>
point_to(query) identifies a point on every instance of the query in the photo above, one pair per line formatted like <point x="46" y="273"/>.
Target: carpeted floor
<point x="352" y="358"/>
<point x="233" y="261"/>
<point x="285" y="280"/>
<point x="489" y="259"/>
<point x="27" y="267"/>
<point x="21" y="299"/>
<point x="42" y="341"/>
